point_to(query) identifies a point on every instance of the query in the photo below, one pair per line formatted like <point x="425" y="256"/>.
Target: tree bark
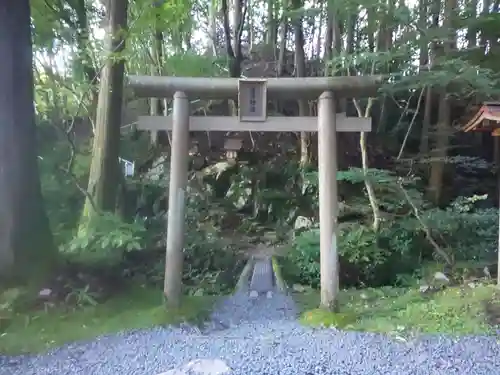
<point x="232" y="36"/>
<point x="156" y="108"/>
<point x="105" y="169"/>
<point x="283" y="33"/>
<point x="84" y="57"/>
<point x="271" y="34"/>
<point x="212" y="28"/>
<point x="300" y="71"/>
<point x="443" y="134"/>
<point x="427" y="58"/>
<point x="384" y="44"/>
<point x="27" y="248"/>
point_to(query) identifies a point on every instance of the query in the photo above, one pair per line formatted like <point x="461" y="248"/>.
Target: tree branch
<point x="411" y="123"/>
<point x="447" y="258"/>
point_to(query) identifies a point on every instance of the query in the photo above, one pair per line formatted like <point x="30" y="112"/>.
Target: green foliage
<point x="189" y="64"/>
<point x="211" y="264"/>
<point x="63" y="199"/>
<point x="302" y="263"/>
<point x="384" y="257"/>
<point x="81" y="297"/>
<point x="467" y="232"/>
<point x="55" y="99"/>
<point x="9" y="299"/>
<point x="107" y="237"/>
<point x="365" y="257"/>
<point x="470" y="232"/>
<point x="267" y="193"/>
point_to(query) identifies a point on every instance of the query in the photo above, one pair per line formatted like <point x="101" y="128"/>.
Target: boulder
<point x="201" y="367"/>
<point x="302" y="222"/>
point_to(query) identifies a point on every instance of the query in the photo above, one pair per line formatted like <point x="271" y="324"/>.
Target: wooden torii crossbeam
<point x="253" y="96"/>
<point x="272" y="124"/>
<point x="487" y="119"/>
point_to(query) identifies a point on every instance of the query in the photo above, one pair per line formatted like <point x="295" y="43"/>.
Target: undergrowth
<point x="140" y="307"/>
<point x="405" y="311"/>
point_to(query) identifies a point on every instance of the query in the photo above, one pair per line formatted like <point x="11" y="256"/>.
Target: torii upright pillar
<point x="176" y="200"/>
<point x="328" y="208"/>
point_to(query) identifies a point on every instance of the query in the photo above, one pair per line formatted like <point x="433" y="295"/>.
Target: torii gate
<point x="253" y="96"/>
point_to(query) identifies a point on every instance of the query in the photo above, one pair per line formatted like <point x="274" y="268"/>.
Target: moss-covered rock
<point x="280" y="282"/>
<point x="324" y="318"/>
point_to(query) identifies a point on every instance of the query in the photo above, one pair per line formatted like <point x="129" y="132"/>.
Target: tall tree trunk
<point x="316" y="54"/>
<point x="372" y="27"/>
<point x="384" y="44"/>
<point x="232" y="36"/>
<point x="424" y="65"/>
<point x="333" y="44"/>
<point x="443" y="128"/>
<point x="350" y="41"/>
<point x="484" y="35"/>
<point x="236" y="24"/>
<point x="300" y="71"/>
<point x="250" y="26"/>
<point x="212" y="27"/>
<point x="105" y="169"/>
<point x="84" y="58"/>
<point x="471" y="44"/>
<point x="156" y="107"/>
<point x="471" y="9"/>
<point x="27" y="248"/>
<point x="350" y="29"/>
<point x="282" y="45"/>
<point x="328" y="46"/>
<point x="271" y="33"/>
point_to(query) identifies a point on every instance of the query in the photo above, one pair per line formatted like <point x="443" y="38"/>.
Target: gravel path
<point x="261" y="336"/>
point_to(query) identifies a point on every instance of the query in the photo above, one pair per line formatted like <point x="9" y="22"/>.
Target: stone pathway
<point x="263" y="278"/>
<point x="262" y="282"/>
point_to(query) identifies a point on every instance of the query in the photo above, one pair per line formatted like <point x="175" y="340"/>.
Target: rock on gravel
<point x="261" y="337"/>
<point x="201" y="367"/>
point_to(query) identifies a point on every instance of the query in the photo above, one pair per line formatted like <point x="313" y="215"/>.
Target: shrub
<point x="211" y="265"/>
<point x="469" y="232"/>
<point x="365" y="257"/>
<point x="382" y="258"/>
<point x="106" y="239"/>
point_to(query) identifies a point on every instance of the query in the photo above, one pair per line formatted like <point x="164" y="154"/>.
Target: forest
<point x="83" y="192"/>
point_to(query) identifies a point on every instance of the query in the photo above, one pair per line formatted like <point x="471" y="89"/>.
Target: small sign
<point x="252" y="97"/>
<point x="128" y="167"/>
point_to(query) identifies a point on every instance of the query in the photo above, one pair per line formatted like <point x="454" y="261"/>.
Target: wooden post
<point x="328" y="200"/>
<point x="498" y="243"/>
<point x="273" y="124"/>
<point x="277" y="88"/>
<point x="176" y="200"/>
